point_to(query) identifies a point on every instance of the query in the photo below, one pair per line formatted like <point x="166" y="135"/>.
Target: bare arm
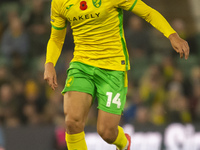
<point x="180" y="46"/>
<point x="50" y="75"/>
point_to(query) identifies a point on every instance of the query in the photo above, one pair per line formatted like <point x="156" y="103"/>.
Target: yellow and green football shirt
<point x="97" y="27"/>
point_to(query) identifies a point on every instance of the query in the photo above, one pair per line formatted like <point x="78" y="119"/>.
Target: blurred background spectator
<point x="162" y="87"/>
<point x="136" y="36"/>
<point x="38" y="28"/>
<point x="14" y="39"/>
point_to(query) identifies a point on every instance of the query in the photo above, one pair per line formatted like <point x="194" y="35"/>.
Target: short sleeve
<point x="125" y="4"/>
<point x="57" y="21"/>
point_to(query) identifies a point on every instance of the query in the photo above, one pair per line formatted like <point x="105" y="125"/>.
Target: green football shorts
<point x="110" y="87"/>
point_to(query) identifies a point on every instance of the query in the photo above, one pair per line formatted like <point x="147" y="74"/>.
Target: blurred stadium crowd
<point x="162" y="87"/>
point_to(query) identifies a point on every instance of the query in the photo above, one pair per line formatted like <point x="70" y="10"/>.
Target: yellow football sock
<point x="76" y="141"/>
<point x="121" y="140"/>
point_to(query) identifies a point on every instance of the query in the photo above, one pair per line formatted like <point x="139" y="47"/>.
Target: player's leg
<point x="110" y="131"/>
<point x="111" y="94"/>
<point x="78" y="93"/>
<point x="76" y="108"/>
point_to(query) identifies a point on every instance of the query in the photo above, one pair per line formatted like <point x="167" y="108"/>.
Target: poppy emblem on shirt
<point x="83" y="5"/>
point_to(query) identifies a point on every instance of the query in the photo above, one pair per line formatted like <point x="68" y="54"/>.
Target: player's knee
<point x="74" y="125"/>
<point x="106" y="134"/>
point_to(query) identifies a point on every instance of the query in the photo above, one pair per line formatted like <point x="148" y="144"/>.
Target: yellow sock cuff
<point x="121" y="140"/>
<point x="74" y="138"/>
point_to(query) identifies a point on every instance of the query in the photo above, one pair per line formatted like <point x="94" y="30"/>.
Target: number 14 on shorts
<point x="116" y="99"/>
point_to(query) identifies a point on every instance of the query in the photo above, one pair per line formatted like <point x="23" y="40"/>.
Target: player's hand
<point x="180" y="46"/>
<point x="50" y="75"/>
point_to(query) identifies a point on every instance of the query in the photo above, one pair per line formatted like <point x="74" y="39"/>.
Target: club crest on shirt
<point x="96" y="3"/>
